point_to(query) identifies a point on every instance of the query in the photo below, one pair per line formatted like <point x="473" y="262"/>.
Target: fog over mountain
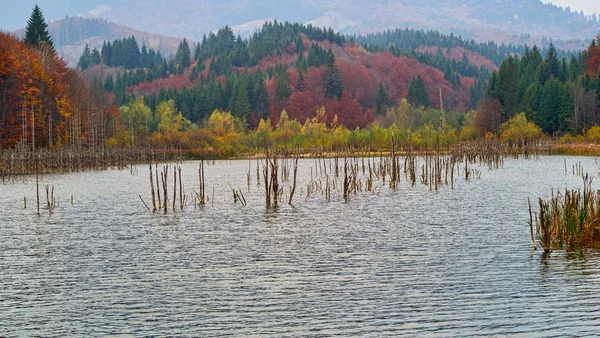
<point x="496" y="20"/>
<point x="502" y="21"/>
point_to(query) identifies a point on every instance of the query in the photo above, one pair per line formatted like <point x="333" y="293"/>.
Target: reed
<point x="569" y="220"/>
<point x="25" y="161"/>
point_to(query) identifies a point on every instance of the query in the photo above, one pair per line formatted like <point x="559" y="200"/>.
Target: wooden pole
<point x="37" y="186"/>
<point x="152" y="190"/>
<point x="180" y="190"/>
<point x="174" y="187"/>
<point x="294" y="182"/>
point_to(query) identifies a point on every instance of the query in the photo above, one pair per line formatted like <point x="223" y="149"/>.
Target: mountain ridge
<point x="495" y="20"/>
<point x="71" y="35"/>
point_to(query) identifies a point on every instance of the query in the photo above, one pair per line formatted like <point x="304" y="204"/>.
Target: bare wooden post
<point x="393" y="180"/>
<point x="152" y="190"/>
<point x="174" y="187"/>
<point x="275" y="180"/>
<point x="201" y="183"/>
<point x="48" y="200"/>
<point x="266" y="179"/>
<point x="294" y="182"/>
<point x="158" y="188"/>
<point x="180" y="190"/>
<point x="37" y="187"/>
<point x="248" y="174"/>
<point x="163" y="177"/>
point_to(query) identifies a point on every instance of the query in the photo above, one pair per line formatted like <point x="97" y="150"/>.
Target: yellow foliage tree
<point x="169" y="120"/>
<point x="315" y="130"/>
<point x="225" y="131"/>
<point x="288" y="132"/>
<point x="469" y="131"/>
<point x="593" y="134"/>
<point x="136" y="118"/>
<point x="519" y="130"/>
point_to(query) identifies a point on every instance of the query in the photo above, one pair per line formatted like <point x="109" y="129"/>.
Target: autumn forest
<point x="293" y="86"/>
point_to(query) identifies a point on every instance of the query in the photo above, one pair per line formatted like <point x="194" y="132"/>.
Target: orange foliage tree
<point x="45" y="104"/>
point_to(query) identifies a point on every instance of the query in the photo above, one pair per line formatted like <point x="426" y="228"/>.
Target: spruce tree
<point x="261" y="96"/>
<point x="183" y="56"/>
<point x="84" y="58"/>
<point x="382" y="101"/>
<point x="332" y="79"/>
<point x="417" y="93"/>
<point x="36" y="31"/>
<point x="552" y="61"/>
<point x="282" y="90"/>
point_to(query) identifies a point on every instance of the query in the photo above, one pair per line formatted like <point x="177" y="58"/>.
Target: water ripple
<point x="409" y="262"/>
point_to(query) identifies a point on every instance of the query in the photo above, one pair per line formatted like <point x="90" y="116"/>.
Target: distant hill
<point x="71" y="34"/>
<point x="522" y="21"/>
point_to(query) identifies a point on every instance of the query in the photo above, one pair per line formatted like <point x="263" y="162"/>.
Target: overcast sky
<point x="587" y="6"/>
<point x="15" y="13"/>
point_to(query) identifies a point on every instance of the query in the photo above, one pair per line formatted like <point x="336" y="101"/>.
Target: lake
<point x="404" y="262"/>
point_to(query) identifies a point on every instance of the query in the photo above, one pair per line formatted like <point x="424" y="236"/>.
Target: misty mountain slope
<point x="496" y="20"/>
<point x="71" y="34"/>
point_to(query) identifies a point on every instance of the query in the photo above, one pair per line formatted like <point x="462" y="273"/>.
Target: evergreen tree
<point x="36" y="31"/>
<point x="508" y="87"/>
<point x="300" y="85"/>
<point x="84" y="58"/>
<point x="107" y="54"/>
<point x="261" y="96"/>
<point x="282" y="90"/>
<point x="332" y="79"/>
<point x="563" y="71"/>
<point x="382" y="101"/>
<point x="96" y="59"/>
<point x="144" y="57"/>
<point x="417" y="93"/>
<point x="300" y="45"/>
<point x="183" y="56"/>
<point x="242" y="107"/>
<point x="552" y="61"/>
<point x="197" y="52"/>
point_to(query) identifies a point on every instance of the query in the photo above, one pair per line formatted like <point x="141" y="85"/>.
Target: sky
<point x="15" y="13"/>
<point x="587" y="6"/>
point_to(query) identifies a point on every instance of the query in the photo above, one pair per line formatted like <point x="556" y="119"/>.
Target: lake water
<point x="410" y="261"/>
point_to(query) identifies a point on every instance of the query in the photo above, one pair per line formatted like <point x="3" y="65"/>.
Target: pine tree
<point x="382" y="101"/>
<point x="241" y="107"/>
<point x="332" y="79"/>
<point x="36" y="31"/>
<point x="144" y="60"/>
<point x="183" y="56"/>
<point x="508" y="87"/>
<point x="261" y="96"/>
<point x="300" y="84"/>
<point x="282" y="90"/>
<point x="197" y="52"/>
<point x="107" y="54"/>
<point x="417" y="93"/>
<point x="84" y="59"/>
<point x="552" y="61"/>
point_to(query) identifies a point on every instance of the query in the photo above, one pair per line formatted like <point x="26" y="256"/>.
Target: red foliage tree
<point x="592" y="64"/>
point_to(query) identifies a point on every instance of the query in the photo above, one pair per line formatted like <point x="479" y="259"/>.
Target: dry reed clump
<point x="577" y="149"/>
<point x="569" y="221"/>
